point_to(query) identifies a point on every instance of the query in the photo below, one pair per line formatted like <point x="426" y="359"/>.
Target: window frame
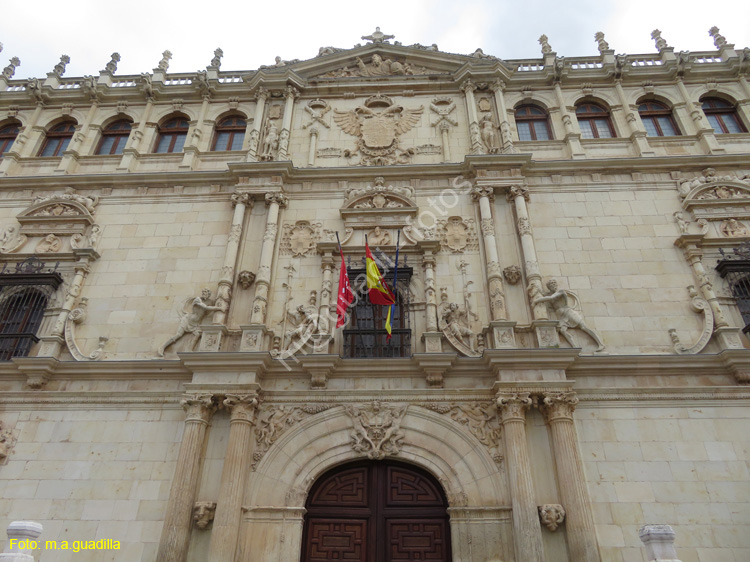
<point x="174" y="133"/>
<point x="232" y="130"/>
<point x="719" y="112"/>
<point x="7" y="139"/>
<point x="532" y="119"/>
<point x="58" y="136"/>
<point x="591" y="117"/>
<point x="652" y="115"/>
<point x="119" y="134"/>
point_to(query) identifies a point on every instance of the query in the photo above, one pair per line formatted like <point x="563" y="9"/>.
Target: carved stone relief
<point x="77" y="316"/>
<point x="246" y="279"/>
<point x="732" y="228"/>
<point x="317" y="109"/>
<point x="480" y="419"/>
<point x="11" y="239"/>
<point x="443" y="108"/>
<point x="191" y="312"/>
<point x="7" y="441"/>
<point x="458" y="235"/>
<point x="377" y="429"/>
<point x="454" y="321"/>
<point x="701" y="306"/>
<point x="299" y="238"/>
<point x="512" y="274"/>
<point x="378" y="66"/>
<point x="50" y="244"/>
<point x="305" y="325"/>
<point x="551" y="515"/>
<point x="379" y="237"/>
<point x="203" y="514"/>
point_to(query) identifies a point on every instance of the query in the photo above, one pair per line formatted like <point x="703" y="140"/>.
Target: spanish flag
<point x="378" y="291"/>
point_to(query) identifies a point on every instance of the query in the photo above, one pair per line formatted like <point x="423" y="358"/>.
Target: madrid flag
<point x="346" y="296"/>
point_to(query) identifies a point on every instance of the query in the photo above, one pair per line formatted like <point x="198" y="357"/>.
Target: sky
<point x="253" y="33"/>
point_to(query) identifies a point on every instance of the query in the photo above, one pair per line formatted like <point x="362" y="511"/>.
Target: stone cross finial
<point x="546" y="48"/>
<point x="378" y="37"/>
<point x="164" y="62"/>
<point x="112" y="64"/>
<point x="10" y="70"/>
<point x="661" y="43"/>
<point x="59" y="69"/>
<point x="719" y="40"/>
<point x="216" y="61"/>
<point x="603" y="45"/>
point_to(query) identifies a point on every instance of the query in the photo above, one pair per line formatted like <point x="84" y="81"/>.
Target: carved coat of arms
<point x="378" y="123"/>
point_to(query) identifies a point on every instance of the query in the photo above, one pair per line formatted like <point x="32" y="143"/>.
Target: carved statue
<point x="377" y="429"/>
<point x="602" y="44"/>
<point x="379" y="237"/>
<point x="682" y="224"/>
<point x="306" y="320"/>
<point x="489" y="135"/>
<point x="456" y="322"/>
<point x="190" y="320"/>
<point x="10" y="70"/>
<point x="164" y="62"/>
<point x="546" y="48"/>
<point x="567" y="316"/>
<point x="49" y="245"/>
<point x="270" y="142"/>
<point x="216" y="61"/>
<point x="11" y="240"/>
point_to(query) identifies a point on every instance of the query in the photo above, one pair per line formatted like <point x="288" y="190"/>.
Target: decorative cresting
<point x="558" y="408"/>
<point x="377" y="429"/>
<point x="702" y="307"/>
<point x="527" y="533"/>
<point x="551" y="515"/>
<point x="274" y="420"/>
<point x="378" y="123"/>
<point x="175" y="536"/>
<point x="77" y="316"/>
<point x="480" y="418"/>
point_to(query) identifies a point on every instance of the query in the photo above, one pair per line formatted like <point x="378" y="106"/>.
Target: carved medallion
<point x="377" y="429"/>
<point x="458" y="235"/>
<point x="300" y="238"/>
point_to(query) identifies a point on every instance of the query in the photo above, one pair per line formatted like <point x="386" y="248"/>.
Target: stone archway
<point x="376" y="511"/>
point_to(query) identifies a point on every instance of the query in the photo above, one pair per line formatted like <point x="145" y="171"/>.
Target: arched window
<point x="172" y="135"/>
<point x="230" y="133"/>
<point x="114" y="137"/>
<point x="58" y="139"/>
<point x="532" y="123"/>
<point x="20" y="317"/>
<point x="594" y="121"/>
<point x="7" y="135"/>
<point x="658" y="120"/>
<point x="723" y="116"/>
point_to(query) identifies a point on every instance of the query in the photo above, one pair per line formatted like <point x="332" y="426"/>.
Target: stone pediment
<point x="379" y="196"/>
<point x="65" y="213"/>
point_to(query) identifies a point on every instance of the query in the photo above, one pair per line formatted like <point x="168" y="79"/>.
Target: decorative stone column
<point x="326" y="321"/>
<point x="546" y="329"/>
<point x="502" y="329"/>
<point x="572" y="132"/>
<point x="190" y="150"/>
<point x="527" y="532"/>
<point x="261" y="95"/>
<point x="226" y="526"/>
<point x="557" y="408"/>
<point x="468" y="89"/>
<point x="313" y="146"/>
<point x="290" y="94"/>
<point x="637" y="130"/>
<point x="252" y="336"/>
<point x="704" y="131"/>
<point x="70" y="155"/>
<point x="178" y="522"/>
<point x="131" y="150"/>
<point x="433" y="338"/>
<point x="498" y="87"/>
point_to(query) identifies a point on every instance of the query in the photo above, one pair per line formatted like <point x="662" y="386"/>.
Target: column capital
<point x="468" y="86"/>
<point x="513" y="405"/>
<point x="242" y="199"/>
<point x="277" y="197"/>
<point x="498" y="86"/>
<point x="199" y="407"/>
<point x="242" y="407"/>
<point x="261" y="94"/>
<point x="559" y="405"/>
<point x="515" y="191"/>
<point x="479" y="191"/>
<point x="291" y="92"/>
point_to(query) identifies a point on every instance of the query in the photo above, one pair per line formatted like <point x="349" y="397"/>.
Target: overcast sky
<point x="253" y="33"/>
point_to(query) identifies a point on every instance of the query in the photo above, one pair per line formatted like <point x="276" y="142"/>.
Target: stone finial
<point x="659" y="543"/>
<point x="546" y="48"/>
<point x="719" y="40"/>
<point x="59" y="69"/>
<point x="164" y="62"/>
<point x="24" y="532"/>
<point x="10" y="70"/>
<point x="602" y="44"/>
<point x="378" y="37"/>
<point x="661" y="43"/>
<point x="216" y="61"/>
<point x="112" y="64"/>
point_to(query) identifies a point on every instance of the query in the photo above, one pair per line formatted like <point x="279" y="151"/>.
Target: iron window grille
<point x="735" y="269"/>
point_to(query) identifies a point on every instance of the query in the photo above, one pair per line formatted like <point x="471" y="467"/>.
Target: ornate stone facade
<point x="184" y="382"/>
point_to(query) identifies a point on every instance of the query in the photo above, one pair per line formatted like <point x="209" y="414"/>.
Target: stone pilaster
<point x="178" y="522"/>
<point x="226" y="526"/>
<point x="637" y="130"/>
<point x="313" y="146"/>
<point x="484" y="195"/>
<point x="290" y="94"/>
<point x="558" y="410"/>
<point x="527" y="532"/>
<point x="70" y="156"/>
<point x="468" y="89"/>
<point x="261" y="95"/>
<point x="572" y="132"/>
<point x="190" y="150"/>
<point x="325" y="321"/>
<point x="24" y="143"/>
<point x="498" y="88"/>
<point x="132" y="147"/>
<point x="703" y="129"/>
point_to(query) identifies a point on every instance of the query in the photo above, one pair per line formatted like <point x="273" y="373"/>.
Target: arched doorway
<point x="376" y="511"/>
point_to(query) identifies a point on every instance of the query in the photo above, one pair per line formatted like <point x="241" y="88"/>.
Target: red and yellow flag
<point x="346" y="296"/>
<point x="378" y="291"/>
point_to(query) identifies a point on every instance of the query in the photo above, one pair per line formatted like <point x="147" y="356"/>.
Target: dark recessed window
<point x="7" y="135"/>
<point x="230" y="133"/>
<point x="657" y="119"/>
<point x="532" y="123"/>
<point x="58" y="139"/>
<point x="172" y="135"/>
<point x="20" y="317"/>
<point x="114" y="137"/>
<point x="722" y="116"/>
<point x="594" y="121"/>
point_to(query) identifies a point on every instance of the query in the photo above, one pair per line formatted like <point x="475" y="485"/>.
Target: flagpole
<point x="395" y="283"/>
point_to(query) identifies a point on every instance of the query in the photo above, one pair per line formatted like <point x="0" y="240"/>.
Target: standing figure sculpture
<point x="567" y="316"/>
<point x="190" y="321"/>
<point x="489" y="135"/>
<point x="270" y="142"/>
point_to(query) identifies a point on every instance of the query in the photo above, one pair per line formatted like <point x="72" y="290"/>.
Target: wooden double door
<point x="376" y="511"/>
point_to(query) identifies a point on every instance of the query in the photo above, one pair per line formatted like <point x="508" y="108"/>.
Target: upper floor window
<point x="58" y="138"/>
<point x="7" y="135"/>
<point x="172" y="135"/>
<point x="114" y="137"/>
<point x="722" y="116"/>
<point x="532" y="123"/>
<point x="230" y="133"/>
<point x="594" y="121"/>
<point x="658" y="120"/>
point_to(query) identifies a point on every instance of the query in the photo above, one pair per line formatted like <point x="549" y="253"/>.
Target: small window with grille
<point x="734" y="268"/>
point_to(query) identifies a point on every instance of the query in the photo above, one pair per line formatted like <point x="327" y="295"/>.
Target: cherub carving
<point x="11" y="240"/>
<point x="190" y="320"/>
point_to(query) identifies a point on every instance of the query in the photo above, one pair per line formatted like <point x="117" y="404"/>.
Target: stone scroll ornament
<point x="701" y="306"/>
<point x="77" y="316"/>
<point x="377" y="429"/>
